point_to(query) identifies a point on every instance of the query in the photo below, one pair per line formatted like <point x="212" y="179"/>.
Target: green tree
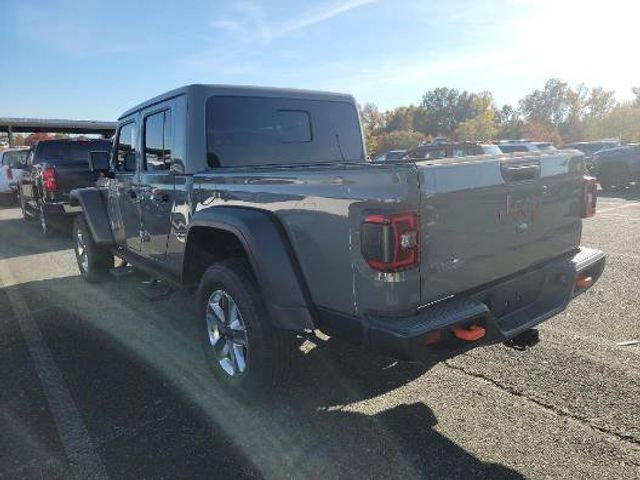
<point x="444" y="109"/>
<point x="509" y="123"/>
<point x="482" y="127"/>
<point x="549" y="106"/>
<point x="399" y="139"/>
<point x="401" y="118"/>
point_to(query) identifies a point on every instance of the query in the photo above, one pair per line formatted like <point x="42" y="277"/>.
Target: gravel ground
<point x="95" y="381"/>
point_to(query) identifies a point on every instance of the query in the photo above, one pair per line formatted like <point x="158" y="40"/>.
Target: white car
<point x="11" y="161"/>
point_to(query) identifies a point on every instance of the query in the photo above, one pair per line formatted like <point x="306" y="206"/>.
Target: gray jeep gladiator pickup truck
<point x="262" y="200"/>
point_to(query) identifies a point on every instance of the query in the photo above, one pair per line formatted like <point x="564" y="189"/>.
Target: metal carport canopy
<point x="37" y="125"/>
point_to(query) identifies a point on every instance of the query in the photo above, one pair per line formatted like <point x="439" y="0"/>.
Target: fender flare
<point x="94" y="207"/>
<point x="272" y="258"/>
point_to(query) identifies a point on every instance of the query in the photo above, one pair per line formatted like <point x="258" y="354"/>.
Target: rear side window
<point x="72" y="152"/>
<point x="125" y="160"/>
<point x="14" y="159"/>
<point x="157" y="141"/>
<point x="244" y="131"/>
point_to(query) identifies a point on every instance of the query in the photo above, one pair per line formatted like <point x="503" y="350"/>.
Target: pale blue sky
<point x="94" y="59"/>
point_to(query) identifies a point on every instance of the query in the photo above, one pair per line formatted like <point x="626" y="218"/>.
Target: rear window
<point x="395" y="155"/>
<point x="491" y="149"/>
<point x="68" y="153"/>
<point x="14" y="158"/>
<point x="243" y="131"/>
<point x="513" y="148"/>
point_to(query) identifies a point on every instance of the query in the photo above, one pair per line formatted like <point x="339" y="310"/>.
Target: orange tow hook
<point x="471" y="334"/>
<point x="584" y="281"/>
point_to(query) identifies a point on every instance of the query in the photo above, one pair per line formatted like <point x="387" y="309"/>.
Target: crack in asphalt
<point x="629" y="438"/>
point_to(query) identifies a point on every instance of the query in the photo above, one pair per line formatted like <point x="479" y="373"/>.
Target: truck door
<point x="124" y="202"/>
<point x="157" y="182"/>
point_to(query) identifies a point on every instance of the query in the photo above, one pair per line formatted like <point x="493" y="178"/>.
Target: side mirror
<point x="99" y="161"/>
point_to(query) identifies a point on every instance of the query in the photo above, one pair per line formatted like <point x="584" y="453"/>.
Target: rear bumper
<point x="504" y="309"/>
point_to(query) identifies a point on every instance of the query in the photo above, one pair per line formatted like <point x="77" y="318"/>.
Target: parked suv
<point x="617" y="167"/>
<point x="389" y="155"/>
<point x="590" y="148"/>
<point x="11" y="163"/>
<point x="442" y="149"/>
<point x="262" y="201"/>
<point x="513" y="146"/>
<point x="54" y="168"/>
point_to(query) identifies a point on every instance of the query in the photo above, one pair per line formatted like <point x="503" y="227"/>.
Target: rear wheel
<point x="244" y="351"/>
<point x="45" y="224"/>
<point x="94" y="261"/>
<point x="23" y="208"/>
<point x="614" y="176"/>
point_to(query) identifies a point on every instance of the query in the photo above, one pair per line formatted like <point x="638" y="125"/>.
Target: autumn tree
<point x="36" y="137"/>
<point x="372" y="118"/>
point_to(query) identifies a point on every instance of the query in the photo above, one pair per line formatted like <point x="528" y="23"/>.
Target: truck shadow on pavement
<point x="19" y="237"/>
<point x="138" y="379"/>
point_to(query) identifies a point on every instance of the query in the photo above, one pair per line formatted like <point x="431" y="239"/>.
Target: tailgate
<point x="483" y="219"/>
<point x="70" y="176"/>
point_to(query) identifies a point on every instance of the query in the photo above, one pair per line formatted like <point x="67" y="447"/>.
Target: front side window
<point x="126" y="150"/>
<point x="157" y="141"/>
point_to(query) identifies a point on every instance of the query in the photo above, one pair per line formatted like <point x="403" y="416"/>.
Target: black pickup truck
<point x="263" y="202"/>
<point x="53" y="168"/>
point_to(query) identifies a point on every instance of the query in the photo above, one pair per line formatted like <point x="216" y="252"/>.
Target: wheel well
<point x="206" y="245"/>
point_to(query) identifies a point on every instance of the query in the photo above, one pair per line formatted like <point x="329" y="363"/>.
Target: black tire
<point x="606" y="185"/>
<point x="23" y="207"/>
<point x="614" y="176"/>
<point x="44" y="221"/>
<point x="268" y="350"/>
<point x="98" y="259"/>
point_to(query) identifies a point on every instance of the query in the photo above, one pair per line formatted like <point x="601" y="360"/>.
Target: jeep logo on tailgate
<point x="523" y="210"/>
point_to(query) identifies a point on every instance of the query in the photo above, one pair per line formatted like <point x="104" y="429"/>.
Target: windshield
<point x="491" y="149"/>
<point x="68" y="152"/>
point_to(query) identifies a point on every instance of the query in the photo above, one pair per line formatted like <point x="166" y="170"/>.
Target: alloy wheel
<point x="81" y="249"/>
<point x="227" y="333"/>
<point x="43" y="221"/>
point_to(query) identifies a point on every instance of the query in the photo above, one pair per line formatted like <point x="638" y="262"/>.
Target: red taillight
<point x="390" y="242"/>
<point x="9" y="173"/>
<point x="49" y="180"/>
<point x="590" y="197"/>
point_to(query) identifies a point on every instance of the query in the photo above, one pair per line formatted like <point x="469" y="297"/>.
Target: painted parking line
<point x="84" y="461"/>
<point x="626" y="205"/>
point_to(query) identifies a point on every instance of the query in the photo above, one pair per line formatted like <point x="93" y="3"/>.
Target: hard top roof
<point x="202" y="91"/>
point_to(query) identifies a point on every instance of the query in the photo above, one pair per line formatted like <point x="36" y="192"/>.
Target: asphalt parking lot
<point x="96" y="381"/>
